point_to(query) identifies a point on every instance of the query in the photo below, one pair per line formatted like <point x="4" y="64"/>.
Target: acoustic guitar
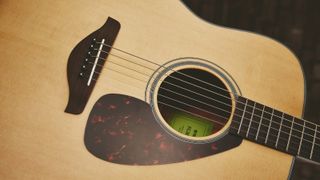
<point x="145" y="90"/>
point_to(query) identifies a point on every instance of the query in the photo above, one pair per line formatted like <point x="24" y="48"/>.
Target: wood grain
<point x="39" y="141"/>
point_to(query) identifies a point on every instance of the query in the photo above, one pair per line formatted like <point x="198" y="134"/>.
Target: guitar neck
<point x="275" y="129"/>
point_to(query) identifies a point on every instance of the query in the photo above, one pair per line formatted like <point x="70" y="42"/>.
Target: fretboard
<point x="275" y="129"/>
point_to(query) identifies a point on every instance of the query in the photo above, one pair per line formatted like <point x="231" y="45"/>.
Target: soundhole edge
<point x="194" y="103"/>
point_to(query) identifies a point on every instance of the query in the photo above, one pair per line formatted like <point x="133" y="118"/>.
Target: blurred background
<point x="295" y="23"/>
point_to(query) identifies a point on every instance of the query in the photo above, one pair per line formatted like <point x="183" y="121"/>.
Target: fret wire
<point x="244" y="111"/>
<point x="279" y="130"/>
<point x="282" y="131"/>
<point x="314" y="141"/>
<point x="288" y="143"/>
<point x="254" y="105"/>
<point x="270" y="122"/>
<point x="260" y="123"/>
<point x="288" y="120"/>
<point x="292" y="148"/>
<point x="251" y="133"/>
<point x="309" y="122"/>
<point x="302" y="135"/>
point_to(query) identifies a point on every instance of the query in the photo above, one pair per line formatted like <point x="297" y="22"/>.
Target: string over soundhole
<point x="193" y="100"/>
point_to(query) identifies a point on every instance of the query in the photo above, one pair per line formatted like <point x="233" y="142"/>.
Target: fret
<point x="296" y="135"/>
<point x="307" y="140"/>
<point x="288" y="143"/>
<point x="313" y="142"/>
<point x="237" y="115"/>
<point x="265" y="123"/>
<point x="244" y="111"/>
<point x="278" y="135"/>
<point x="255" y="121"/>
<point x="260" y="123"/>
<point x="284" y="133"/>
<point x="274" y="128"/>
<point x="316" y="149"/>
<point x="251" y="118"/>
<point x="247" y="118"/>
<point x="269" y="128"/>
<point x="301" y="139"/>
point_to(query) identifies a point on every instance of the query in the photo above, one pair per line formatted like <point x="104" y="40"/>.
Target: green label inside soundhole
<point x="191" y="125"/>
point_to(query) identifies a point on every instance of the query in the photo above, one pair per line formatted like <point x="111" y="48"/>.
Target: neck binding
<point x="275" y="129"/>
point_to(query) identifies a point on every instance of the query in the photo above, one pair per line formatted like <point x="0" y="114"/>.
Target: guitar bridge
<point x="86" y="62"/>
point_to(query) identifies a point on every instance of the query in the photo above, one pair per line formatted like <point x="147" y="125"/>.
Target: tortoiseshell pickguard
<point x="123" y="130"/>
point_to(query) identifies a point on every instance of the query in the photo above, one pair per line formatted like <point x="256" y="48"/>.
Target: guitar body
<point x="38" y="140"/>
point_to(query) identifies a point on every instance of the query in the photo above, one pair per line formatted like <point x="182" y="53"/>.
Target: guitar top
<point x="145" y="89"/>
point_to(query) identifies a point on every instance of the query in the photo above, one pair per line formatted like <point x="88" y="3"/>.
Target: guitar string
<point x="128" y="53"/>
<point x="221" y="102"/>
<point x="220" y="109"/>
<point x="229" y="105"/>
<point x="182" y="80"/>
<point x="197" y="93"/>
<point x="148" y="75"/>
<point x="159" y="65"/>
<point x="201" y="95"/>
<point x="302" y="135"/>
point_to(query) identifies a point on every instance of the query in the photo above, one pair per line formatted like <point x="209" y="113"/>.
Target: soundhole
<point x="194" y="102"/>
